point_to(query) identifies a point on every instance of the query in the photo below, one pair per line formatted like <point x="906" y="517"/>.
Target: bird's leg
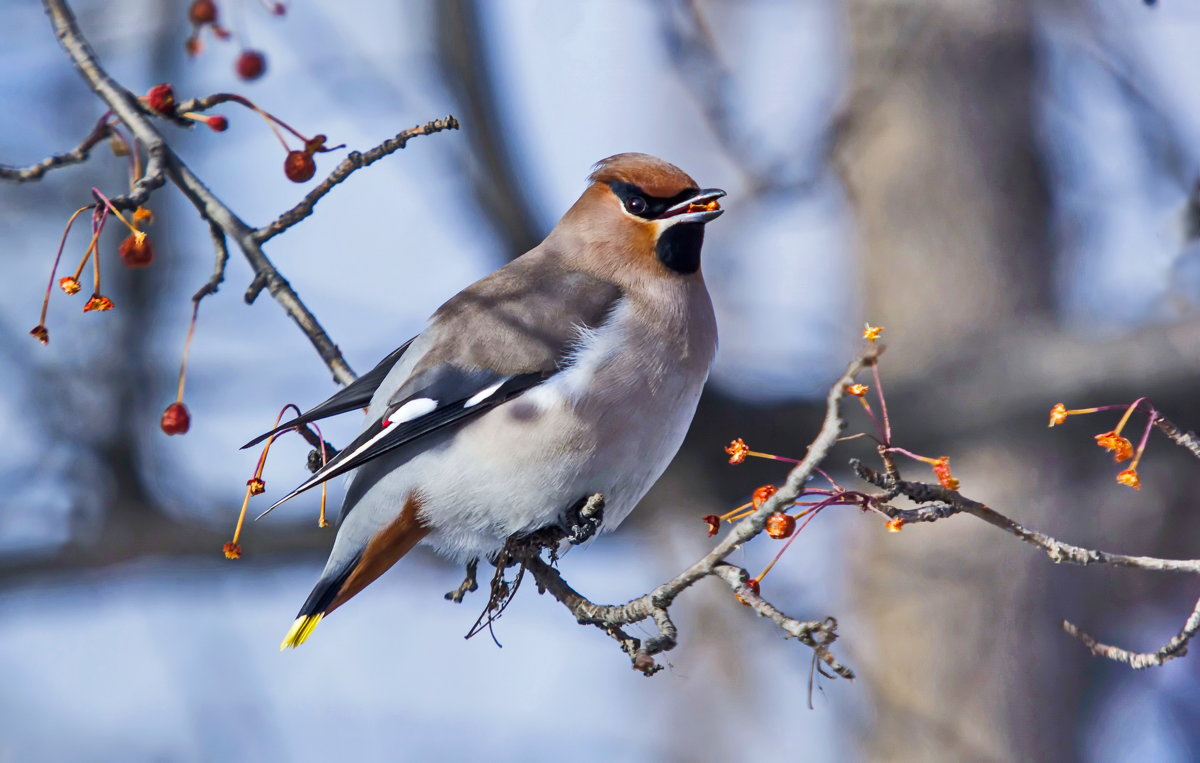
<point x="469" y="584"/>
<point x="585" y="519"/>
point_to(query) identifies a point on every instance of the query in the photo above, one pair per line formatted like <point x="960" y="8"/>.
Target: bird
<point x="573" y="370"/>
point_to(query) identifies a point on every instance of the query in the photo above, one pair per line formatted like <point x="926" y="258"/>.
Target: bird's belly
<point x="519" y="467"/>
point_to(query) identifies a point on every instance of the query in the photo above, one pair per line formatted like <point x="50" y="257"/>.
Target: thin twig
<point x="355" y="160"/>
<point x="77" y="155"/>
<point x="655" y="605"/>
<point x="1176" y="647"/>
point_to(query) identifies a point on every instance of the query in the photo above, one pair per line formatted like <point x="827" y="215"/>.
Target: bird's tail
<point x="317" y="606"/>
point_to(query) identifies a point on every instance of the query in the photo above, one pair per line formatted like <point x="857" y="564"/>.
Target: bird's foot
<point x="585" y="519"/>
<point x="469" y="585"/>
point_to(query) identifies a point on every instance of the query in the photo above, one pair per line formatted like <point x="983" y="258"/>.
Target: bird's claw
<point x="586" y="520"/>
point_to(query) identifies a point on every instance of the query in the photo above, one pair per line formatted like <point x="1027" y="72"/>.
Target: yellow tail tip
<point x="301" y="629"/>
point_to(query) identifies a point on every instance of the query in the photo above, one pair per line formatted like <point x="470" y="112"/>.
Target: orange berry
<point x="232" y="551"/>
<point x="761" y="494"/>
<point x="98" y="302"/>
<point x="1122" y="449"/>
<point x="1058" y="414"/>
<point x="175" y="419"/>
<point x="1130" y="478"/>
<point x="69" y="285"/>
<point x="942" y="470"/>
<point x="781" y="525"/>
<point x="134" y="253"/>
<point x="737" y="450"/>
<point x="895" y="524"/>
<point x="857" y="390"/>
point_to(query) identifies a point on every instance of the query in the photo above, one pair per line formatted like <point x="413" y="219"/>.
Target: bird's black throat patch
<point x="679" y="247"/>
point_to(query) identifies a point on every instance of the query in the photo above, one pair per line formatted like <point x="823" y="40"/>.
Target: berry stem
<point x="1145" y="437"/>
<point x="883" y="411"/>
<point x="57" y="257"/>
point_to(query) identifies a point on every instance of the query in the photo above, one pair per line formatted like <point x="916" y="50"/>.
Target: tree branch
<point x="941" y="502"/>
<point x="655" y="605"/>
<point x="77" y="155"/>
<point x="165" y="165"/>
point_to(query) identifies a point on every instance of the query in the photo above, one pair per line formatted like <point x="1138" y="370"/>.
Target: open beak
<point x="701" y="208"/>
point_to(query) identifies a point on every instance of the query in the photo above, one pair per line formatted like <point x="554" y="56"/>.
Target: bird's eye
<point x="636" y="205"/>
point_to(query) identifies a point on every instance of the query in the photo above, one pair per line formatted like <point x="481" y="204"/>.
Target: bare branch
<point x="355" y="160"/>
<point x="1176" y="647"/>
<point x="165" y="165"/>
<point x="77" y="155"/>
<point x="656" y="605"/>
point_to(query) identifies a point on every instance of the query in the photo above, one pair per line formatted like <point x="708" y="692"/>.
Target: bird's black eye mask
<point x="638" y="202"/>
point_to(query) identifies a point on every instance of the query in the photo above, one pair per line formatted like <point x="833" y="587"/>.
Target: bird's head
<point x="649" y="208"/>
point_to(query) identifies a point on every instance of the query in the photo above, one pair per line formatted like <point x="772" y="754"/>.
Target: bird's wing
<point x="357" y="394"/>
<point x="493" y="341"/>
<point x="450" y="395"/>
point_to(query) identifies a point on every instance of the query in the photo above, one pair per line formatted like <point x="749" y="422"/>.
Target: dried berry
<point x="232" y="551"/>
<point x="175" y="419"/>
<point x="202" y="12"/>
<point x="69" y="285"/>
<point x="135" y="251"/>
<point x="299" y="166"/>
<point x="713" y="522"/>
<point x="761" y="494"/>
<point x="40" y="333"/>
<point x="781" y="525"/>
<point x="251" y="65"/>
<point x="161" y="98"/>
<point x="257" y="486"/>
<point x="98" y="302"/>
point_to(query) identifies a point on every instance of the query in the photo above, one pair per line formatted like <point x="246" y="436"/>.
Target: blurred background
<point x="1003" y="184"/>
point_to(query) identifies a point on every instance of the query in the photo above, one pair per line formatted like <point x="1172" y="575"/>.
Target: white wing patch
<point x="484" y="394"/>
<point x="410" y="410"/>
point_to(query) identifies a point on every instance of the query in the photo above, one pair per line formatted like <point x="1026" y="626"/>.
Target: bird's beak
<point x="701" y="208"/>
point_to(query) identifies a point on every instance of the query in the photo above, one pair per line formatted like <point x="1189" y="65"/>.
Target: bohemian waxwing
<point x="573" y="370"/>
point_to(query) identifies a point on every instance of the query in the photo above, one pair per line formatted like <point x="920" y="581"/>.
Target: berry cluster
<point x="785" y="522"/>
<point x="203" y="14"/>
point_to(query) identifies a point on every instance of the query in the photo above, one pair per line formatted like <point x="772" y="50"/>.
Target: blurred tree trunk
<point x="941" y="162"/>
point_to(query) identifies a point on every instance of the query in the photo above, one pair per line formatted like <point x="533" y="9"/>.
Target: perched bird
<point x="573" y="370"/>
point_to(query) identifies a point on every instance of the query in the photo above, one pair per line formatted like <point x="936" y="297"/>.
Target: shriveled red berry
<point x="299" y="166"/>
<point x="251" y="65"/>
<point x="40" y="333"/>
<point x="713" y="522"/>
<point x="135" y="253"/>
<point x="161" y="98"/>
<point x="192" y="46"/>
<point x="176" y="420"/>
<point x="232" y="550"/>
<point x="781" y="525"/>
<point x="257" y="486"/>
<point x="202" y="12"/>
<point x="217" y="123"/>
